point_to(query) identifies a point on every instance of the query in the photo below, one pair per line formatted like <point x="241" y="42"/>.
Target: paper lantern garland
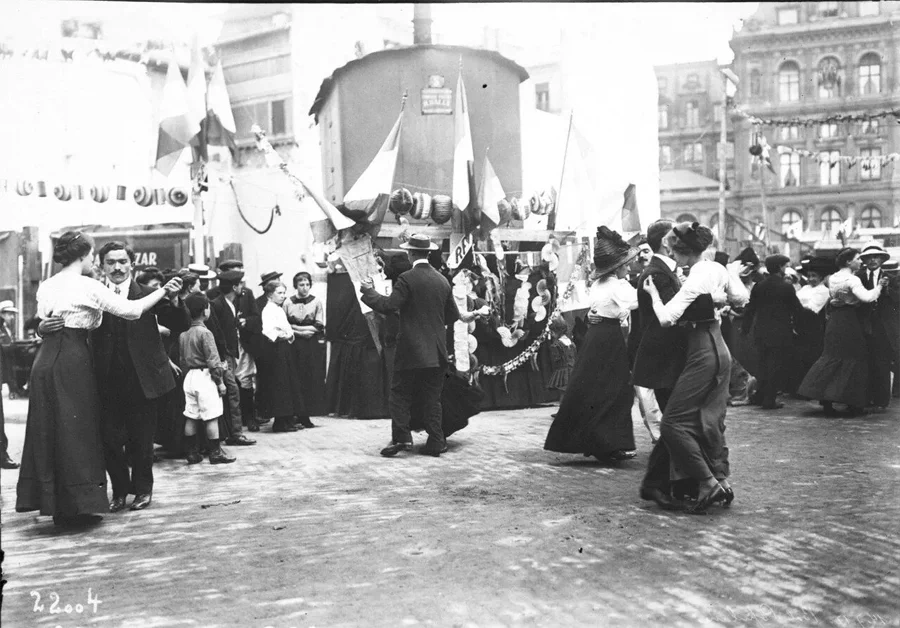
<point x="143" y="196"/>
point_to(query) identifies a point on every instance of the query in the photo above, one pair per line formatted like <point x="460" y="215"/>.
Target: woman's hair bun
<point x="71" y="246"/>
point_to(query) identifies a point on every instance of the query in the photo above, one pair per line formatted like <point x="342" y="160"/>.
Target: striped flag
<point x="218" y="125"/>
<point x="176" y="127"/>
<point x="369" y="197"/>
<point x="491" y="194"/>
<point x="463" y="193"/>
<point x="631" y="220"/>
<point x="196" y="96"/>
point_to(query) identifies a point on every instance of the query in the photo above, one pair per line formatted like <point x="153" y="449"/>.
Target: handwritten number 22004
<point x="55" y="608"/>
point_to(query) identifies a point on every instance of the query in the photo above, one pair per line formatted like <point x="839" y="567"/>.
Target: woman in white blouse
<point x="278" y="374"/>
<point x="594" y="415"/>
<point x="691" y="452"/>
<point x="810" y="323"/>
<point x="63" y="472"/>
<point x="841" y="374"/>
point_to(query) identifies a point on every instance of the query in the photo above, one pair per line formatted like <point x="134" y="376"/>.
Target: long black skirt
<point x="63" y="471"/>
<point x="841" y="374"/>
<point x="278" y="378"/>
<point x="595" y="413"/>
<point x="460" y="401"/>
<point x="310" y="354"/>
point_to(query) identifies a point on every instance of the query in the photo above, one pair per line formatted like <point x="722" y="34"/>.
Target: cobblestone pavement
<point x="314" y="528"/>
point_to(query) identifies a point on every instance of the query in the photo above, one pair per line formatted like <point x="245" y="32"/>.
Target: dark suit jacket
<point x="774" y="307"/>
<point x="144" y="343"/>
<point x="660" y="354"/>
<point x="226" y="331"/>
<point x="423" y="298"/>
<point x="882" y="317"/>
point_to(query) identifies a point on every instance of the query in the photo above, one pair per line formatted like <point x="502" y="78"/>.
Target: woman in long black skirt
<point x="278" y="374"/>
<point x="594" y="416"/>
<point x="691" y="449"/>
<point x="306" y="314"/>
<point x="841" y="374"/>
<point x="63" y="472"/>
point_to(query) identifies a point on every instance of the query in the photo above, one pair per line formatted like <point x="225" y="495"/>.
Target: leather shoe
<point x="429" y="451"/>
<point x="194" y="457"/>
<point x="7" y="463"/>
<point x="220" y="457"/>
<point x="117" y="504"/>
<point x="395" y="448"/>
<point x="306" y="423"/>
<point x="239" y="441"/>
<point x="715" y="495"/>
<point x="253" y="427"/>
<point x="662" y="500"/>
<point x="141" y="501"/>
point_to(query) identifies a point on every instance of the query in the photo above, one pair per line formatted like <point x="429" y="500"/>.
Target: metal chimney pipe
<point x="422" y="24"/>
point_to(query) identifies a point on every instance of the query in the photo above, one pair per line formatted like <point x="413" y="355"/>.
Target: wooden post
<point x="551" y="221"/>
<point x="765" y="208"/>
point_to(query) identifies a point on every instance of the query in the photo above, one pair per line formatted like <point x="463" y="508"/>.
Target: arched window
<point x="829" y="78"/>
<point x="791" y="220"/>
<point x="755" y="83"/>
<point x="789" y="82"/>
<point x="714" y="226"/>
<point x="686" y="218"/>
<point x="870" y="74"/>
<point x="831" y="219"/>
<point x="870" y="218"/>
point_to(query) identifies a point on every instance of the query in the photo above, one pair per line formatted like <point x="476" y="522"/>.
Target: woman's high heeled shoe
<point x="726" y="497"/>
<point x="716" y="494"/>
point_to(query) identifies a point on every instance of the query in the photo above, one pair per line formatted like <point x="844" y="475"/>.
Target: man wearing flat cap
<point x="424" y="301"/>
<point x="878" y="319"/>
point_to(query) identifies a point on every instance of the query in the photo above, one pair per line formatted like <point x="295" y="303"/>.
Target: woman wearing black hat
<point x="692" y="449"/>
<point x="841" y="374"/>
<point x="594" y="416"/>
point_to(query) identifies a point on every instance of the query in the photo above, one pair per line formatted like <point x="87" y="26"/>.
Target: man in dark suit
<point x="132" y="373"/>
<point x="772" y="312"/>
<point x="879" y="318"/>
<point x="424" y="300"/>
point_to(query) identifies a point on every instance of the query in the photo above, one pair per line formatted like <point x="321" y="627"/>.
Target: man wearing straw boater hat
<point x="424" y="301"/>
<point x="877" y="320"/>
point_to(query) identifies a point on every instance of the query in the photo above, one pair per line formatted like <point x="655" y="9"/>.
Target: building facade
<point x="809" y="61"/>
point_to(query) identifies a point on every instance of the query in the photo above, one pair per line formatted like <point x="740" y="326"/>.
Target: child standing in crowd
<point x="203" y="385"/>
<point x="563" y="352"/>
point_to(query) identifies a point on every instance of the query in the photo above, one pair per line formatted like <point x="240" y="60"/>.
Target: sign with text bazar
<point x="437" y="99"/>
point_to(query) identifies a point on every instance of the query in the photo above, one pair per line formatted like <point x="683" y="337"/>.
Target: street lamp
<point x="727" y="75"/>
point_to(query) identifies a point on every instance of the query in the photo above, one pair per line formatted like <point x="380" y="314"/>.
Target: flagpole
<point x="551" y="222"/>
<point x="765" y="208"/>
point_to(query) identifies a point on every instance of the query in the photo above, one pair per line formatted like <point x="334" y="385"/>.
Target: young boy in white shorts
<point x="203" y="386"/>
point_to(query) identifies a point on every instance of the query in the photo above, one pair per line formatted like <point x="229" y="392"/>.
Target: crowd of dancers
<point x="129" y="359"/>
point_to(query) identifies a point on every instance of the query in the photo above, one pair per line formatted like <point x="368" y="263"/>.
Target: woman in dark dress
<point x="594" y="417"/>
<point x="692" y="449"/>
<point x="810" y="324"/>
<point x="63" y="471"/>
<point x="306" y="314"/>
<point x="278" y="374"/>
<point x="841" y="373"/>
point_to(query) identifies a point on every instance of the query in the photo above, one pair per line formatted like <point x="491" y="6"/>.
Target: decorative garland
<point x="533" y="348"/>
<point x="846" y="159"/>
<point x="142" y="195"/>
<point x="864" y="117"/>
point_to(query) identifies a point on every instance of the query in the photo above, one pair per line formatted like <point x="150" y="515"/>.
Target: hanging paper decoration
<point x="401" y="202"/>
<point x="120" y="192"/>
<point x="143" y="196"/>
<point x="421" y="206"/>
<point x="62" y="192"/>
<point x="24" y="188"/>
<point x="42" y="189"/>
<point x="441" y="208"/>
<point x="461" y="334"/>
<point x="177" y="197"/>
<point x="550" y="254"/>
<point x="833" y="160"/>
<point x="864" y="117"/>
<point x="100" y="194"/>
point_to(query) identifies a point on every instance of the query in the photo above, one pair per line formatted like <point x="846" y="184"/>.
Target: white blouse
<point x="813" y="299"/>
<point x="613" y="298"/>
<point x="706" y="277"/>
<point x="81" y="301"/>
<point x="848" y="289"/>
<point x="275" y="323"/>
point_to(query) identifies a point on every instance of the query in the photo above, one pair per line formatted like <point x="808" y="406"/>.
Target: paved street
<point x="316" y="529"/>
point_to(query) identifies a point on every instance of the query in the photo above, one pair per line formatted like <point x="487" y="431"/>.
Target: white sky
<point x="665" y="32"/>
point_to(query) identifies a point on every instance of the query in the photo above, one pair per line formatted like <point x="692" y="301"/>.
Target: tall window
<point x="790" y="170"/>
<point x="828" y="130"/>
<point x="692" y="114"/>
<point x="867" y="9"/>
<point x="830" y="167"/>
<point x="831" y="219"/>
<point x="870" y="218"/>
<point x="790" y="219"/>
<point x="693" y="154"/>
<point x="790" y="132"/>
<point x="789" y="82"/>
<point x="665" y="155"/>
<point x="273" y="117"/>
<point x="788" y="16"/>
<point x="755" y="83"/>
<point x="869" y="127"/>
<point x="662" y="116"/>
<point x="829" y="78"/>
<point x="828" y="9"/>
<point x="870" y="74"/>
<point x="870" y="164"/>
<point x="542" y="96"/>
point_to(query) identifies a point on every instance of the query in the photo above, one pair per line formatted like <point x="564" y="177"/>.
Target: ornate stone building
<point x="809" y="61"/>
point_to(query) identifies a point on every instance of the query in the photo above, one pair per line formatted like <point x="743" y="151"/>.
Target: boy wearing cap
<point x="203" y="386"/>
<point x="878" y="318"/>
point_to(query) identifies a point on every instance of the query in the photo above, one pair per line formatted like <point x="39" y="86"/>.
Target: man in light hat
<point x="877" y="321"/>
<point x="204" y="273"/>
<point x="6" y="337"/>
<point x="7" y="322"/>
<point x="424" y="300"/>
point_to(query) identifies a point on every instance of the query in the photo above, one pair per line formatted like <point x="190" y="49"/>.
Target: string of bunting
<point x="533" y="348"/>
<point x="778" y="122"/>
<point x="142" y="195"/>
<point x="850" y="160"/>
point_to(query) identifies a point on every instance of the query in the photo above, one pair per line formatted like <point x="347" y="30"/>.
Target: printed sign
<point x="437" y="99"/>
<point x="460" y="250"/>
